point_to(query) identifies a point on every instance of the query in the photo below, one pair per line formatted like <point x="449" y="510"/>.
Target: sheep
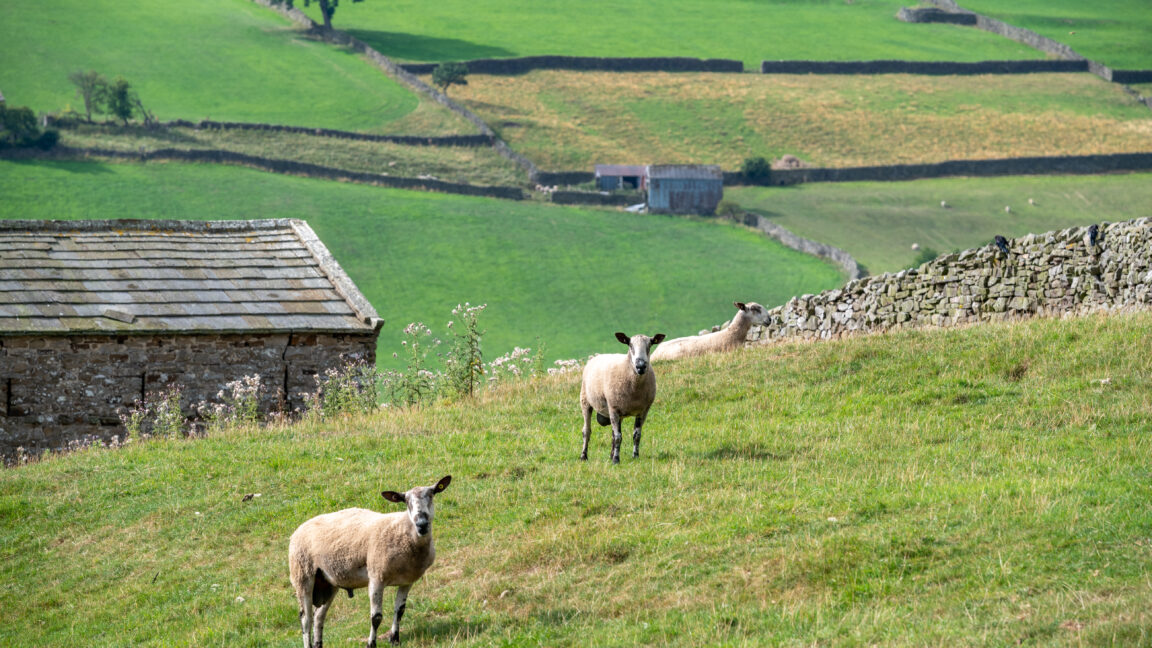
<point x="617" y="386"/>
<point x="356" y="548"/>
<point x="726" y="339"/>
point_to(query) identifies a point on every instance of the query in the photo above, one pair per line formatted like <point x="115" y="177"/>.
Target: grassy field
<point x="877" y="222"/>
<point x="568" y="121"/>
<point x="567" y="277"/>
<point x="1114" y="33"/>
<point x="228" y="60"/>
<point x="474" y="165"/>
<point x="981" y="487"/>
<point x="733" y="29"/>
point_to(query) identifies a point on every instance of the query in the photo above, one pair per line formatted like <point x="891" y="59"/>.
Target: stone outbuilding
<point x="684" y="188"/>
<point x="96" y="315"/>
<point x="610" y="177"/>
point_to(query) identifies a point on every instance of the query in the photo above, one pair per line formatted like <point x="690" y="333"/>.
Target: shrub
<point x="729" y="209"/>
<point x="756" y="170"/>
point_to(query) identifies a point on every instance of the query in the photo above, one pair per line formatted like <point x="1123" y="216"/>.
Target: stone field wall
<point x="1053" y="274"/>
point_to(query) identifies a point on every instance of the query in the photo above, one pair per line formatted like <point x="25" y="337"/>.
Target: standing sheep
<point x="617" y="386"/>
<point x="356" y="548"/>
<point x="726" y="339"/>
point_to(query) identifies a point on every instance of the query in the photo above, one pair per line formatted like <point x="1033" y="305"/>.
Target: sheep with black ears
<point x="356" y="548"/>
<point x="726" y="339"/>
<point x="616" y="386"/>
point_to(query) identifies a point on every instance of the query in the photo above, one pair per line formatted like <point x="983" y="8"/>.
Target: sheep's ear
<point x="739" y="305"/>
<point x="659" y="337"/>
<point x="443" y="483"/>
<point x="393" y="496"/>
<point x="623" y="338"/>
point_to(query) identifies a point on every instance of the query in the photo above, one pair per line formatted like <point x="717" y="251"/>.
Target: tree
<point x="121" y="100"/>
<point x="448" y="74"/>
<point x="92" y="88"/>
<point x="327" y="8"/>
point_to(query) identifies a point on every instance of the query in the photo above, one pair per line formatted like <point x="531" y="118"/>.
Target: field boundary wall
<point x="287" y="167"/>
<point x="922" y="67"/>
<point x="525" y="64"/>
<point x="408" y="140"/>
<point x="1060" y="273"/>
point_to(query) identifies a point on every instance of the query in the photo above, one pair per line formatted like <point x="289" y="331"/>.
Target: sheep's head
<point x="419" y="501"/>
<point x="638" y="348"/>
<point x="756" y="313"/>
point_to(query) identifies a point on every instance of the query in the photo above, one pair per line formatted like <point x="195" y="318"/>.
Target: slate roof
<point x="141" y="276"/>
<point x="638" y="170"/>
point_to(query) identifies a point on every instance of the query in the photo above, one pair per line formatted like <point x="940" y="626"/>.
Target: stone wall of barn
<point x="1053" y="274"/>
<point x="58" y="389"/>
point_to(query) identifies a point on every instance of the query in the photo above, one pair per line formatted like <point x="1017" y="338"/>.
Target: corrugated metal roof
<point x="685" y="172"/>
<point x="141" y="276"/>
<point x="620" y="170"/>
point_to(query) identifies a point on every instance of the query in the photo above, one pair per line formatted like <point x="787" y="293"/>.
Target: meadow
<point x="453" y="30"/>
<point x="877" y="222"/>
<point x="976" y="487"/>
<point x="480" y="165"/>
<point x="573" y="120"/>
<point x="1114" y="33"/>
<point x="562" y="276"/>
<point x="229" y="60"/>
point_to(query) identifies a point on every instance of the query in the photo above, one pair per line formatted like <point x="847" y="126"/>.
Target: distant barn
<point x="610" y="177"/>
<point x="95" y="315"/>
<point x="684" y="188"/>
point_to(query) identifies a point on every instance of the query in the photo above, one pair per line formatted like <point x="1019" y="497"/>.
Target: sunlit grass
<point x="979" y="487"/>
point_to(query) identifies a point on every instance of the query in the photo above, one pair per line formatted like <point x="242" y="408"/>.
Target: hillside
<point x="977" y="487"/>
<point x="228" y="60"/>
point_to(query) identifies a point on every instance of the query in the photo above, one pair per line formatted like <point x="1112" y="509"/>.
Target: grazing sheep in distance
<point x="617" y="386"/>
<point x="356" y="548"/>
<point x="726" y="339"/>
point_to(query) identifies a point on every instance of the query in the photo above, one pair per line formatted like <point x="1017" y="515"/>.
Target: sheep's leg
<point x="306" y="618"/>
<point x="321" y="614"/>
<point x="617" y="436"/>
<point x="401" y="602"/>
<point x="587" y="430"/>
<point x="376" y="594"/>
<point x="636" y="434"/>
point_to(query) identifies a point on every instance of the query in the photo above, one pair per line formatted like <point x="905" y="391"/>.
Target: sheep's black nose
<point x="641" y="366"/>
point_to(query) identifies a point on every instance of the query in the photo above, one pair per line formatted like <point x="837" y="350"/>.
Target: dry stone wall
<point x="57" y="389"/>
<point x="1053" y="274"/>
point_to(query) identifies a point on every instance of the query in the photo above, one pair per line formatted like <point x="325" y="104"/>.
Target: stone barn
<point x="95" y="315"/>
<point x="610" y="177"/>
<point x="684" y="188"/>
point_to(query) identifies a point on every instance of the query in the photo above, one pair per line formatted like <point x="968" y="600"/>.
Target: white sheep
<point x="726" y="339"/>
<point x="616" y="386"/>
<point x="356" y="548"/>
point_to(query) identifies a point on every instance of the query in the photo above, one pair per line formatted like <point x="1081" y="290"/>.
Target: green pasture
<point x="574" y="120"/>
<point x="228" y="60"/>
<point x="750" y="31"/>
<point x="566" y="277"/>
<point x="1115" y="33"/>
<point x="877" y="222"/>
<point x="979" y="487"/>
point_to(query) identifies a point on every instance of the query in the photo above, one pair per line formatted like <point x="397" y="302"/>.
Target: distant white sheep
<point x="356" y="548"/>
<point x="726" y="339"/>
<point x="616" y="386"/>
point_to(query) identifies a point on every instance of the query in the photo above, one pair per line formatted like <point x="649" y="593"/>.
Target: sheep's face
<point x="638" y="348"/>
<point x="754" y="312"/>
<point x="419" y="503"/>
